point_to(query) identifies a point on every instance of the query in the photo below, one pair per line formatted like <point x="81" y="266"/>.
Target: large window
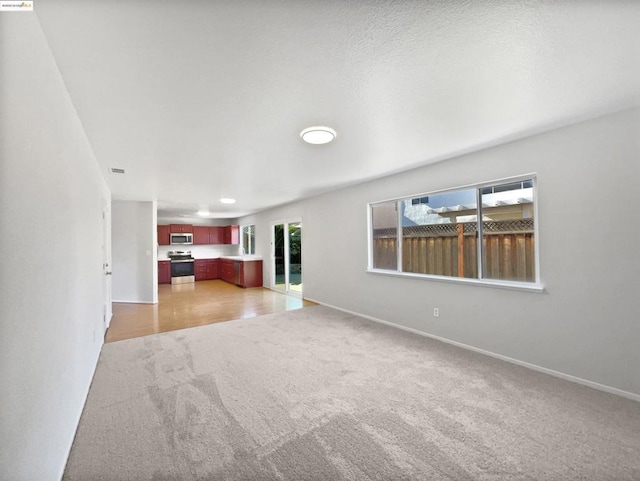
<point x="438" y="234"/>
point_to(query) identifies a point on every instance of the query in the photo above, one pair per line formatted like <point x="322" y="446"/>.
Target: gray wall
<point x="51" y="288"/>
<point x="134" y="248"/>
<point x="585" y="324"/>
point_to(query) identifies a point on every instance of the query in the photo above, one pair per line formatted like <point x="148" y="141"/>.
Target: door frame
<point x="106" y="265"/>
<point x="272" y="280"/>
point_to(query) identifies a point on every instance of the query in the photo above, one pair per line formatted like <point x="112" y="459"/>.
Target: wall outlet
<point x="436" y="312"/>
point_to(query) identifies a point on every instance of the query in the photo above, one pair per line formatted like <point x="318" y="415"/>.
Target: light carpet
<point x="317" y="394"/>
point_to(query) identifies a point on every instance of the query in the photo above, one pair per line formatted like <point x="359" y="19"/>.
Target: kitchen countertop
<point x="242" y="258"/>
<point x="233" y="258"/>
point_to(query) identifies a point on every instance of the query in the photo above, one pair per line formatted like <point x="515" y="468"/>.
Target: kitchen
<point x="190" y="253"/>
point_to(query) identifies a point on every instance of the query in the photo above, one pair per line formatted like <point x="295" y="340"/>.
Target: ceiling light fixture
<point x="318" y="135"/>
<point x="204" y="213"/>
<point x="226" y="200"/>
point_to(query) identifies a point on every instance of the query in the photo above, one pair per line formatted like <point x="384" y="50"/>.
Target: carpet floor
<point x="317" y="394"/>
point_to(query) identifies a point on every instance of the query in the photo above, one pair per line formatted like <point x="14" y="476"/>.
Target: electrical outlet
<point x="436" y="312"/>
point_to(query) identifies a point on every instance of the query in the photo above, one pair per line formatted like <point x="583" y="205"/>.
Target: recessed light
<point x="203" y="213"/>
<point x="226" y="200"/>
<point x="318" y="135"/>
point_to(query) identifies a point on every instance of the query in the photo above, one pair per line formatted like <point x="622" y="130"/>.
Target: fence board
<point x="508" y="250"/>
<point x="451" y="250"/>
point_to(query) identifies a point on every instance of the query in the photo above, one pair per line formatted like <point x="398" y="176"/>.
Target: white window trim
<point x="535" y="286"/>
<point x="251" y="244"/>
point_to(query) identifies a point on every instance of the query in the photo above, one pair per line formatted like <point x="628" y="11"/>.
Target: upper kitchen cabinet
<point x="181" y="228"/>
<point x="217" y="234"/>
<point x="232" y="234"/>
<point x="208" y="235"/>
<point x="164" y="238"/>
<point x="201" y="235"/>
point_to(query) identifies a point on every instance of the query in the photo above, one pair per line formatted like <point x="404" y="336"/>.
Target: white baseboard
<point x="558" y="374"/>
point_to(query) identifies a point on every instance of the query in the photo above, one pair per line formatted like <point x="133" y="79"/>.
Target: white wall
<point x="51" y="286"/>
<point x="585" y="324"/>
<point x="134" y="251"/>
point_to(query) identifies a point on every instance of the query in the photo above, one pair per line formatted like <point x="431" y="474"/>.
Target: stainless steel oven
<point x="182" y="267"/>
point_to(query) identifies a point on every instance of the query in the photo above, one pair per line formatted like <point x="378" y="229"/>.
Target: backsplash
<point x="201" y="251"/>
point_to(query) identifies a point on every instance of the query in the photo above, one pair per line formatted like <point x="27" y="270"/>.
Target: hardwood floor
<point x="189" y="305"/>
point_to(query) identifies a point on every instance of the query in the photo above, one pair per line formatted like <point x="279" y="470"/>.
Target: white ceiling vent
<point x="115" y="170"/>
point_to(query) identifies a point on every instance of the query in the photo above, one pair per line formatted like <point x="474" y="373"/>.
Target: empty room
<point x="330" y="240"/>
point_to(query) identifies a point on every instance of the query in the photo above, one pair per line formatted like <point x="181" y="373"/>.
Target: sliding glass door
<point x="287" y="257"/>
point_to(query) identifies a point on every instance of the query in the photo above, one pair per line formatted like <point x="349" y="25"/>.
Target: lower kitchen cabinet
<point x="206" y="269"/>
<point x="240" y="273"/>
<point x="250" y="274"/>
<point x="226" y="270"/>
<point x="164" y="272"/>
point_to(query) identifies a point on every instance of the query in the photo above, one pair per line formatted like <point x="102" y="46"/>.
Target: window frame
<point x="535" y="286"/>
<point x="251" y="245"/>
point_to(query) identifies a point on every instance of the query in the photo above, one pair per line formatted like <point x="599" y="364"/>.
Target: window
<point x="384" y="218"/>
<point x="437" y="234"/>
<point x="248" y="239"/>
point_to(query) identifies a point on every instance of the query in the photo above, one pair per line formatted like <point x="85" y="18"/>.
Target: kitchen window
<point x="248" y="239"/>
<point x="485" y="233"/>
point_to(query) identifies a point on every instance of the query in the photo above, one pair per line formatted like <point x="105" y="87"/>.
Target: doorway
<point x="107" y="310"/>
<point x="286" y="241"/>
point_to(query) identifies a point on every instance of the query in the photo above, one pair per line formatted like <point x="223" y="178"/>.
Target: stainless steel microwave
<point x="181" y="239"/>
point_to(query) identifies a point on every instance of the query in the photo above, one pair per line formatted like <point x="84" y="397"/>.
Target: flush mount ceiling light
<point x="204" y="210"/>
<point x="318" y="135"/>
<point x="226" y="200"/>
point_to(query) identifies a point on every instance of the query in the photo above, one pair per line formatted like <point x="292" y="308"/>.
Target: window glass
<point x="248" y="239"/>
<point x="384" y="220"/>
<point x="508" y="243"/>
<point x="439" y="234"/>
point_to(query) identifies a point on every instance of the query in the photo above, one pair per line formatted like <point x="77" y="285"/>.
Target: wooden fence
<point x="451" y="250"/>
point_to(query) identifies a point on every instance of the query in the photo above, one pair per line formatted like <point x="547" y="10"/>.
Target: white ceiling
<point x="205" y="99"/>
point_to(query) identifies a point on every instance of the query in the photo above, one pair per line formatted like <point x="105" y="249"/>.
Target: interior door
<point x="286" y="241"/>
<point x="106" y="265"/>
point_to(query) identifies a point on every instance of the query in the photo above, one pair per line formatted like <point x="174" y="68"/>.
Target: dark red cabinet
<point x="206" y="269"/>
<point x="201" y="235"/>
<point x="232" y="234"/>
<point x="250" y="274"/>
<point x="208" y="235"/>
<point x="226" y="270"/>
<point x="181" y="228"/>
<point x="164" y="238"/>
<point x="241" y="273"/>
<point x="216" y="234"/>
<point x="164" y="272"/>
